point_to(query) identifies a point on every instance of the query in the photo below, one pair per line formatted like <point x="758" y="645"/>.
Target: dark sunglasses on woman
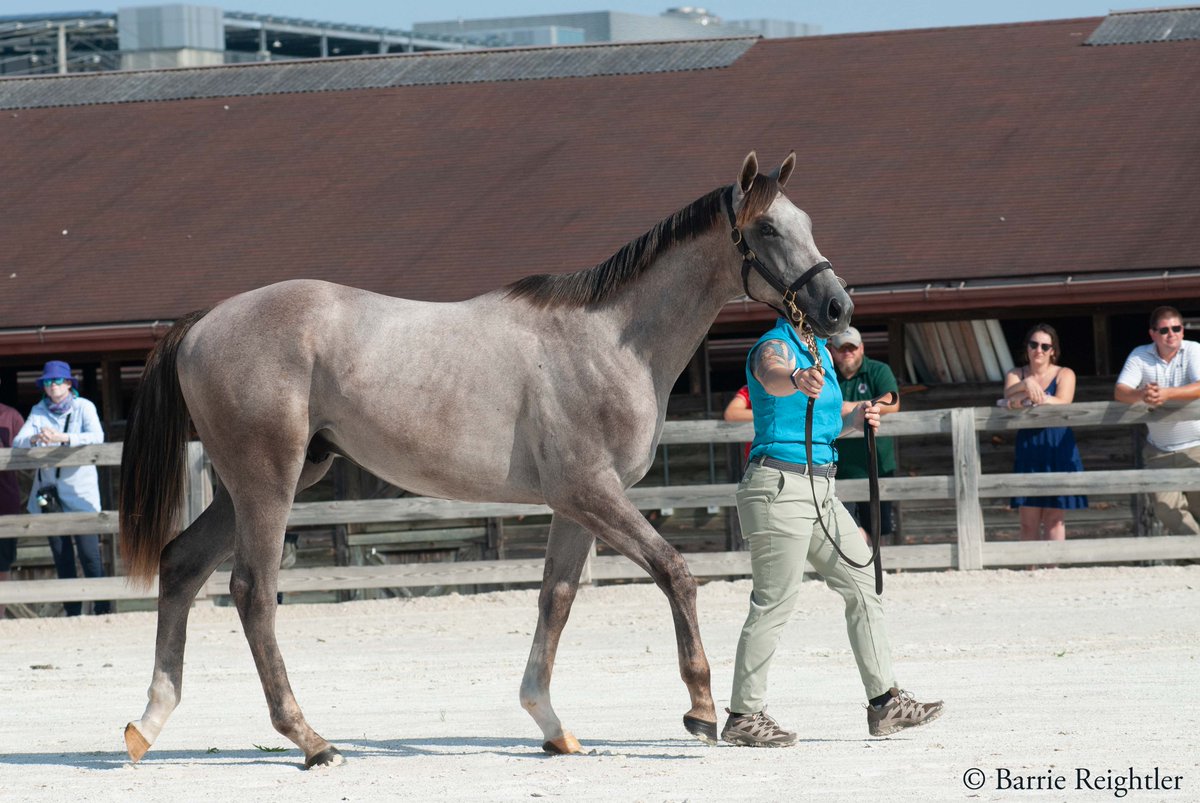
<point x="1034" y="345"/>
<point x="58" y="380"/>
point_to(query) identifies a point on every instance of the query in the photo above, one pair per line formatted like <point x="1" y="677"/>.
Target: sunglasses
<point x="1162" y="330"/>
<point x="1033" y="345"/>
<point x="56" y="381"/>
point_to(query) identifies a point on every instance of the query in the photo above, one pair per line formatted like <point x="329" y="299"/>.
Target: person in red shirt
<point x="739" y="409"/>
<point x="10" y="492"/>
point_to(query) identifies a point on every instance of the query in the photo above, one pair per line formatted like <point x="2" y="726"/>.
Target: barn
<point x="1004" y="173"/>
<point x="1017" y="171"/>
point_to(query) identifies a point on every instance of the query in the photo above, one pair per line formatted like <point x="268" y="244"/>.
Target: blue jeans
<point x="64" y="548"/>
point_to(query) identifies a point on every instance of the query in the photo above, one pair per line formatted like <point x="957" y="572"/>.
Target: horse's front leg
<point x="612" y="518"/>
<point x="566" y="554"/>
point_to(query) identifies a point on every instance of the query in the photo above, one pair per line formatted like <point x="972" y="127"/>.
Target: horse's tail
<point x="153" y="459"/>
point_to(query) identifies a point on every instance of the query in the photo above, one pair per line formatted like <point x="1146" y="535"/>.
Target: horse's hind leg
<point x="261" y="522"/>
<point x="185" y="565"/>
<point x="612" y="518"/>
<point x="566" y="553"/>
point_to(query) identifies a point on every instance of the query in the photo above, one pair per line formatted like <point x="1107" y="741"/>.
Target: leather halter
<point x="794" y="315"/>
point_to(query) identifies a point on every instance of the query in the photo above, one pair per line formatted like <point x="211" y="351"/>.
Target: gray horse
<point x="552" y="390"/>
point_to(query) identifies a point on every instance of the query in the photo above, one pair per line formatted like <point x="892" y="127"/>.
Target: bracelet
<point x="792" y="376"/>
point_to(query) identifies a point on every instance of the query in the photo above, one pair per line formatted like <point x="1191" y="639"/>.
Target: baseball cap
<point x="850" y="337"/>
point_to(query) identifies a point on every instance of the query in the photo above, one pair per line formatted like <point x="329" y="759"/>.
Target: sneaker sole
<point x="898" y="728"/>
<point x="750" y="741"/>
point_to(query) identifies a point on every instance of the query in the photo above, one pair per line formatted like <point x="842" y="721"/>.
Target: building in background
<point x="184" y="35"/>
<point x="983" y="194"/>
<point x="684" y="22"/>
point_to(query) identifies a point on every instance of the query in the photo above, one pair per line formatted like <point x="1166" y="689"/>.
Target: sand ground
<point x="1044" y="673"/>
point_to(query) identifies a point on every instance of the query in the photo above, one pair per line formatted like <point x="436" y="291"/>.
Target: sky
<point x="840" y="17"/>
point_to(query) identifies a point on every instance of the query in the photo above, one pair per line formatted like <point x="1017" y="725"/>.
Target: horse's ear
<point x="749" y="171"/>
<point x="785" y="170"/>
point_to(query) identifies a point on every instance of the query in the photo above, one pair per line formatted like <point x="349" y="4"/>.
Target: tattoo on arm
<point x="773" y="354"/>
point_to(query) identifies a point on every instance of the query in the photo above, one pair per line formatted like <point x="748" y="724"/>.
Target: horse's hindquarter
<point x="301" y="357"/>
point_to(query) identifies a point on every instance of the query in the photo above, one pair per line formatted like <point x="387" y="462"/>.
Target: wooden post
<point x="199" y="496"/>
<point x="199" y="488"/>
<point x="585" y="577"/>
<point x="966" y="489"/>
<point x="1145" y="522"/>
<point x="696" y="372"/>
<point x="1100" y="344"/>
<point x="112" y="406"/>
<point x="895" y="344"/>
<point x="495" y="538"/>
<point x="8" y="387"/>
<point x="347" y="485"/>
<point x="342" y="491"/>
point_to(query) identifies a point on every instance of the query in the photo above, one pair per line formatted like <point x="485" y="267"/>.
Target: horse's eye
<point x="767" y="230"/>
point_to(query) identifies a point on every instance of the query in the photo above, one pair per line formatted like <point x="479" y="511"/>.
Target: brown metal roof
<point x="976" y="154"/>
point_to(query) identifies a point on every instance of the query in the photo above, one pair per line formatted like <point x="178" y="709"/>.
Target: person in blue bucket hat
<point x="64" y="418"/>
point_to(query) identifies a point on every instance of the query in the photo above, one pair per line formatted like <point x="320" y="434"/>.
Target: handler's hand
<point x="869" y="413"/>
<point x="809" y="381"/>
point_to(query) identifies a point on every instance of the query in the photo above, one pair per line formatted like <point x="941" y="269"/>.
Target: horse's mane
<point x="594" y="286"/>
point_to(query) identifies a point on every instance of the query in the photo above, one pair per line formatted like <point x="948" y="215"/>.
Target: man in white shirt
<point x="1167" y="369"/>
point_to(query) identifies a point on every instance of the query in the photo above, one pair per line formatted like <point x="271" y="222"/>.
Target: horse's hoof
<point x="135" y="743"/>
<point x="703" y="730"/>
<point x="563" y="745"/>
<point x="329" y="757"/>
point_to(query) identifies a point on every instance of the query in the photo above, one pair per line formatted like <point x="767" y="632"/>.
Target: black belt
<point x="820" y="470"/>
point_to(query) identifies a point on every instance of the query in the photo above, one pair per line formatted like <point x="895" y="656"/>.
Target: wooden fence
<point x="965" y="486"/>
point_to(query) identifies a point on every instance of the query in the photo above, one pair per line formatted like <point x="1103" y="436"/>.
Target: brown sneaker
<point x="900" y="712"/>
<point x="755" y="730"/>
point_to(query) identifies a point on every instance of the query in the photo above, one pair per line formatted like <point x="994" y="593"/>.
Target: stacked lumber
<point x="940" y="352"/>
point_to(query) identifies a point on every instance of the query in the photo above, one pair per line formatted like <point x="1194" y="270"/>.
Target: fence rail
<point x="966" y="486"/>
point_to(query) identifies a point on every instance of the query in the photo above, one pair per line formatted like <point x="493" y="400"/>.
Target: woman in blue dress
<point x="1043" y="381"/>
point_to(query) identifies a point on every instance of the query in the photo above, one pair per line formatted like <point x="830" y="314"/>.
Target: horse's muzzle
<point x="839" y="312"/>
<point x="834" y="318"/>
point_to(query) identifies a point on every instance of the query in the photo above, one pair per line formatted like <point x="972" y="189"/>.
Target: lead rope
<point x="806" y="336"/>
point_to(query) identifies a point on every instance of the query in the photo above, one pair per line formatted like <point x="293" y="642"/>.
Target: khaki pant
<point x="778" y="518"/>
<point x="1176" y="510"/>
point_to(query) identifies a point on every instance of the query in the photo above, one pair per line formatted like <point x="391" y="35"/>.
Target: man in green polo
<point x="861" y="379"/>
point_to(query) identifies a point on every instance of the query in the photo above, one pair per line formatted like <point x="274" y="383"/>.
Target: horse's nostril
<point x="835" y="310"/>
